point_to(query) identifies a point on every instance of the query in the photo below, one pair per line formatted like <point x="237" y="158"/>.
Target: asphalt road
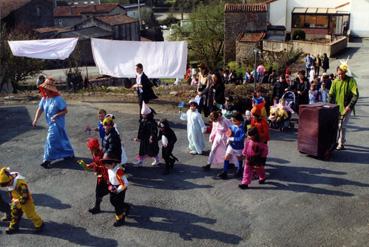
<point x="306" y="202"/>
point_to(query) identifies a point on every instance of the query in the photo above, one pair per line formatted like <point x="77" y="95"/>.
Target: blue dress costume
<point x="57" y="145"/>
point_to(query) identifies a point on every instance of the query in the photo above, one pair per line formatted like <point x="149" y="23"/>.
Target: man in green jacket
<point x="344" y="92"/>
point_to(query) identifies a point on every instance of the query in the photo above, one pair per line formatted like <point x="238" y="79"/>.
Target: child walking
<point x="147" y="136"/>
<point x="255" y="153"/>
<point x="101" y="172"/>
<point x="117" y="188"/>
<point x="195" y="129"/>
<point x="235" y="144"/>
<point x="218" y="138"/>
<point x="111" y="144"/>
<point x="168" y="139"/>
<point x="21" y="201"/>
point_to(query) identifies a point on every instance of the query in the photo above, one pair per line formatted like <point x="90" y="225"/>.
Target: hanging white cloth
<point x="159" y="59"/>
<point x="44" y="48"/>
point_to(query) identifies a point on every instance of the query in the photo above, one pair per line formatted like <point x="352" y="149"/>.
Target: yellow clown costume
<point x="21" y="200"/>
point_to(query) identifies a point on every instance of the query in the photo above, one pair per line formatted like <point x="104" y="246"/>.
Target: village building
<point x="26" y="14"/>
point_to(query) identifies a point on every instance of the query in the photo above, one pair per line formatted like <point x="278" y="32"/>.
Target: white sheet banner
<point x="44" y="48"/>
<point x="159" y="59"/>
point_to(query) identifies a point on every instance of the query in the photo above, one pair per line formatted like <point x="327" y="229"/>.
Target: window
<point x="297" y="21"/>
<point x="322" y="21"/>
<point x="310" y="21"/>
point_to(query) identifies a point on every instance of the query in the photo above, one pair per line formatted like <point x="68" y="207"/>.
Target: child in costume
<point x="168" y="139"/>
<point x="261" y="124"/>
<point x="100" y="126"/>
<point x="117" y="187"/>
<point x="21" y="200"/>
<point x="235" y="144"/>
<point x="147" y="136"/>
<point x="259" y="101"/>
<point x="218" y="138"/>
<point x="195" y="129"/>
<point x="111" y="144"/>
<point x="5" y="208"/>
<point x="255" y="153"/>
<point x="101" y="173"/>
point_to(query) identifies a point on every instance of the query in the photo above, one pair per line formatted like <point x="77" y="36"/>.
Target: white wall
<point x="359" y="18"/>
<point x="278" y="14"/>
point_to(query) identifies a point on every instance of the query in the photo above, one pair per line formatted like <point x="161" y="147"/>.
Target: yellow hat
<point x="5" y="176"/>
<point x="108" y="121"/>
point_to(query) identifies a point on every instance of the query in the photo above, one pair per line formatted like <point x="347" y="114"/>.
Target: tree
<point x="14" y="69"/>
<point x="204" y="33"/>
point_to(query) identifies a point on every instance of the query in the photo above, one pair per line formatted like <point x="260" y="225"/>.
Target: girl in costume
<point x="168" y="139"/>
<point x="57" y="144"/>
<point x="21" y="201"/>
<point x="255" y="153"/>
<point x="235" y="144"/>
<point x="218" y="139"/>
<point x="101" y="172"/>
<point x="117" y="187"/>
<point x="147" y="136"/>
<point x="195" y="129"/>
<point x="261" y="124"/>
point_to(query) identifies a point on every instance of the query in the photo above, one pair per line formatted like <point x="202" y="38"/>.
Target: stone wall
<point x="307" y="46"/>
<point x="244" y="52"/>
<point x="236" y="23"/>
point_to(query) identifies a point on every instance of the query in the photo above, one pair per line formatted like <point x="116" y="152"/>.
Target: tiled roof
<point x="63" y="11"/>
<point x="251" y="37"/>
<point x="116" y="19"/>
<point x="234" y="7"/>
<point x="50" y="29"/>
<point x="6" y="6"/>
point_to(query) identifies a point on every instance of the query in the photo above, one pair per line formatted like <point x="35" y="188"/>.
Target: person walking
<point x="345" y="93"/>
<point x="57" y="145"/>
<point x="143" y="87"/>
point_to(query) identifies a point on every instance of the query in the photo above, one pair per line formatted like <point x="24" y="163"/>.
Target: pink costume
<point x="219" y="139"/>
<point x="251" y="151"/>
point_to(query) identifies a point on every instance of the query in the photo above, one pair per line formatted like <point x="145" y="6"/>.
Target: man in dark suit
<point x="143" y="87"/>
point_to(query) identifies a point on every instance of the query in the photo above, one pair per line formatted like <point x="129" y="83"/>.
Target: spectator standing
<point x="325" y="62"/>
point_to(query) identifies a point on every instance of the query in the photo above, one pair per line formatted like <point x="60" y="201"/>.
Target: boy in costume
<point x="112" y="146"/>
<point x="117" y="187"/>
<point x="101" y="173"/>
<point x="168" y="139"/>
<point x="21" y="201"/>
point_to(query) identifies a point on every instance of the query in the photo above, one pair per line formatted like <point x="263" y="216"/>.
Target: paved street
<point x="305" y="202"/>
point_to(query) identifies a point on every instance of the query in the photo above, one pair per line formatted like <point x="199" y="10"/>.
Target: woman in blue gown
<point x="57" y="145"/>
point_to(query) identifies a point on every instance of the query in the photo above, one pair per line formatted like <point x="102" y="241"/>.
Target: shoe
<point x="5" y="218"/>
<point x="193" y="152"/>
<point x="11" y="230"/>
<point x="46" y="164"/>
<point x="138" y="163"/>
<point x="223" y="175"/>
<point x="155" y="162"/>
<point x="243" y="186"/>
<point x="206" y="168"/>
<point x="40" y="228"/>
<point x="94" y="210"/>
<point x="262" y="181"/>
<point x="119" y="222"/>
<point x="340" y="147"/>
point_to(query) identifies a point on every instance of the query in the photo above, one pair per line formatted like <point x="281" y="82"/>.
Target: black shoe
<point x="40" y="228"/>
<point x="243" y="186"/>
<point x="206" y="168"/>
<point x="11" y="230"/>
<point x="46" y="164"/>
<point x="94" y="210"/>
<point x="223" y="175"/>
<point x="119" y="222"/>
<point x="262" y="181"/>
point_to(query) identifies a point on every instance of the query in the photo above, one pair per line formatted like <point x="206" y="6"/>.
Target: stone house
<point x="245" y="44"/>
<point x="240" y="19"/>
<point x="66" y="16"/>
<point x="26" y="14"/>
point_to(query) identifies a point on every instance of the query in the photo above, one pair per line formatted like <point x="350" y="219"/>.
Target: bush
<point x="299" y="35"/>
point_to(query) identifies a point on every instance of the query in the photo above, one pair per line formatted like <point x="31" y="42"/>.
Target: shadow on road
<point x="73" y="234"/>
<point x="44" y="200"/>
<point x="152" y="177"/>
<point x="14" y="122"/>
<point x="69" y="164"/>
<point x="302" y="179"/>
<point x="352" y="155"/>
<point x="186" y="225"/>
